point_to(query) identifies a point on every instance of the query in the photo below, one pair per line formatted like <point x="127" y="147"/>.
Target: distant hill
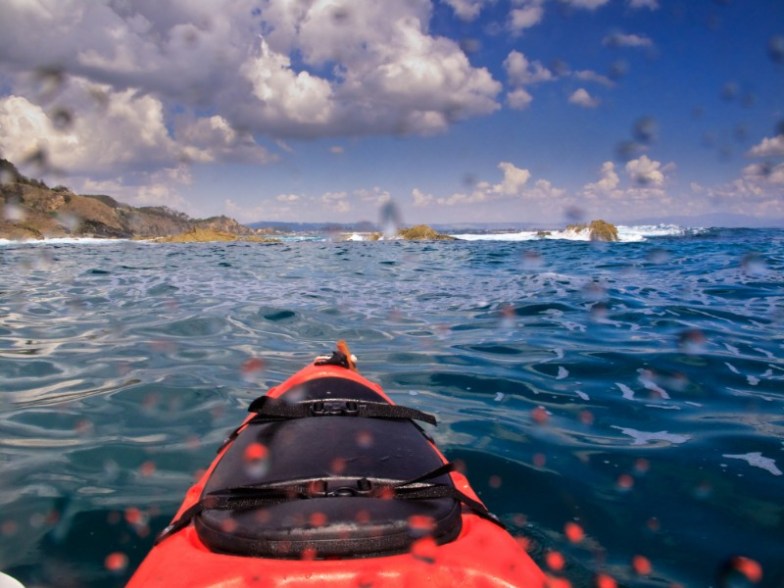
<point x="29" y="209"/>
<point x="715" y="219"/>
<point x="295" y="227"/>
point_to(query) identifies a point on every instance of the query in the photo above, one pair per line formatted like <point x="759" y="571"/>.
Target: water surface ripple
<point x="636" y="389"/>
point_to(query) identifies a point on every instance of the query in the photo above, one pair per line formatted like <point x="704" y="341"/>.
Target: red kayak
<point x="329" y="483"/>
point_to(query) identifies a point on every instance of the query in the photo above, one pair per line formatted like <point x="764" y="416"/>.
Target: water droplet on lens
<point x="642" y="465"/>
<point x="469" y="180"/>
<point x="641" y="565"/>
<point x="539" y="415"/>
<point x="739" y="572"/>
<point x="13" y="213"/>
<point x="703" y="490"/>
<point x="251" y="368"/>
<point x="147" y="469"/>
<point x="337" y="466"/>
<point x="599" y="312"/>
<point x="50" y="81"/>
<point x="470" y="45"/>
<point x="605" y="581"/>
<point x="38" y="158"/>
<point x="627" y="150"/>
<point x="421" y="525"/>
<point x="741" y="133"/>
<point x="729" y="91"/>
<point x="532" y="260"/>
<point x="6" y="177"/>
<point x="618" y="70"/>
<point x="574" y="532"/>
<point x="365" y="439"/>
<point x="624" y="483"/>
<point x="62" y="119"/>
<point x="559" y="67"/>
<point x="645" y="130"/>
<point x="555" y="560"/>
<point x="425" y="550"/>
<point x="317" y="519"/>
<point x="341" y="15"/>
<point x="692" y="341"/>
<point x="776" y="49"/>
<point x="256" y="458"/>
<point x="390" y="220"/>
<point x="658" y="256"/>
<point x="574" y="214"/>
<point x="116" y="562"/>
<point x="753" y="264"/>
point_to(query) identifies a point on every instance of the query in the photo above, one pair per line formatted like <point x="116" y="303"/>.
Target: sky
<point x="540" y="112"/>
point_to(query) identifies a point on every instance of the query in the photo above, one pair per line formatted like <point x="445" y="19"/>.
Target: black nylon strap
<point x="267" y="409"/>
<point x="249" y="497"/>
<point x="277" y="408"/>
<point x="180" y="523"/>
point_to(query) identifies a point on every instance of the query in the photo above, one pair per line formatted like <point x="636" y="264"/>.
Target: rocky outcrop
<point x="599" y="230"/>
<point x="29" y="209"/>
<point x="423" y="233"/>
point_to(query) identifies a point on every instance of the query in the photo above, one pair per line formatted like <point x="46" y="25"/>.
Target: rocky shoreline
<point x="30" y="210"/>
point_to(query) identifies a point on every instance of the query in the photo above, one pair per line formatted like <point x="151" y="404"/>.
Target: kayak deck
<point x="328" y="482"/>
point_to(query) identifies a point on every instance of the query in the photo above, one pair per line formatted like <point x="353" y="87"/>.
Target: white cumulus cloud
<point x="271" y="67"/>
<point x="521" y="71"/>
<point x="627" y="40"/>
<point x="581" y="97"/>
<point x="514" y="186"/>
<point x="608" y="182"/>
<point x="649" y="4"/>
<point x="587" y="4"/>
<point x="467" y="10"/>
<point x="769" y="147"/>
<point x="526" y="16"/>
<point x="518" y="99"/>
<point x="645" y="171"/>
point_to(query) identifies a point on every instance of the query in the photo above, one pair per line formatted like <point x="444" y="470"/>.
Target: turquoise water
<point x="636" y="389"/>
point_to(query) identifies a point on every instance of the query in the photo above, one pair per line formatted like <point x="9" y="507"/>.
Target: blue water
<point x="636" y="389"/>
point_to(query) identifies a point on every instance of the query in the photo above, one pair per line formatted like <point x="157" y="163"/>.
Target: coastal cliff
<point x="29" y="209"/>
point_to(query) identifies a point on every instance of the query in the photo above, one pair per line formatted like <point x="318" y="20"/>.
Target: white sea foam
<point x="626" y="234"/>
<point x="63" y="241"/>
<point x="649" y="437"/>
<point x="757" y="460"/>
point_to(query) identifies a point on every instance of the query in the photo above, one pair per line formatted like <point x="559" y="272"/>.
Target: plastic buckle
<point x="326" y="408"/>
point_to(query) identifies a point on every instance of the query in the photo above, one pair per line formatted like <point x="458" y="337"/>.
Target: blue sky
<point x="512" y="111"/>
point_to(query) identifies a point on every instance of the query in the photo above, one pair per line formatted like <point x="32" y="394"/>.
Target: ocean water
<point x="634" y="389"/>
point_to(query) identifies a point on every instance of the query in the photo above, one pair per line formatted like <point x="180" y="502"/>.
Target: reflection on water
<point x="619" y="406"/>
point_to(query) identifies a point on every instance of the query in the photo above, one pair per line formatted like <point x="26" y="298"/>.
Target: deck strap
<point x="256" y="496"/>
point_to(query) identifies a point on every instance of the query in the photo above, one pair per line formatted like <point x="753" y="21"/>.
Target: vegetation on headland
<point x="205" y="235"/>
<point x="29" y="209"/>
<point x="599" y="230"/>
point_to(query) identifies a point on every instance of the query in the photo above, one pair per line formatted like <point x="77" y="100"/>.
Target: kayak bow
<point x="328" y="482"/>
